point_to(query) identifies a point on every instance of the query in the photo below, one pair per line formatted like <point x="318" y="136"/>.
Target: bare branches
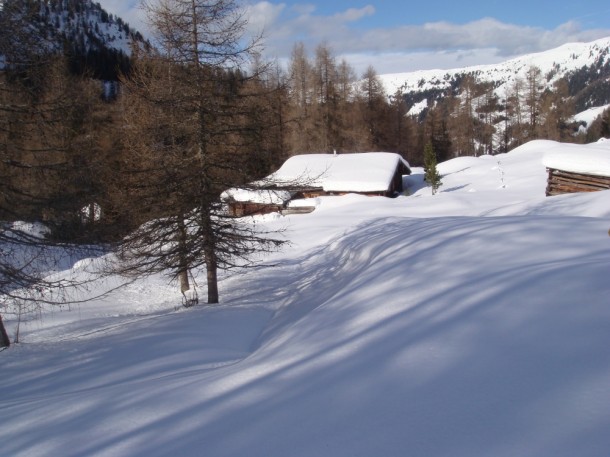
<point x="201" y="33"/>
<point x="34" y="271"/>
<point x="47" y="166"/>
<point x="193" y="130"/>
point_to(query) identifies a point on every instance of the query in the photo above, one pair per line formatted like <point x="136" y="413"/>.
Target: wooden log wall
<point x="240" y="209"/>
<point x="565" y="182"/>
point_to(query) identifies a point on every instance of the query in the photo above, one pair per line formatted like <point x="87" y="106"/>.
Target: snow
<point x="588" y="116"/>
<point x="30" y="229"/>
<point x="359" y="172"/>
<point x="417" y="108"/>
<point x="263" y="196"/>
<point x="470" y="322"/>
<point x="554" y="63"/>
<point x="594" y="159"/>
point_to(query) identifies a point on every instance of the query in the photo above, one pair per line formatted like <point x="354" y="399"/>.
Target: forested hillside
<point x="493" y="108"/>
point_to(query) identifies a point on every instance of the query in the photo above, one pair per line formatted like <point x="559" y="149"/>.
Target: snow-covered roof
<point x="589" y="159"/>
<point x="262" y="196"/>
<point x="358" y="172"/>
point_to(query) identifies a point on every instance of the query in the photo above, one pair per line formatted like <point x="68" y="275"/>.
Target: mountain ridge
<point x="586" y="67"/>
<point x="94" y="41"/>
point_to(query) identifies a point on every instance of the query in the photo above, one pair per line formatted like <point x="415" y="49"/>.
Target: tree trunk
<point x="183" y="274"/>
<point x="212" y="273"/>
<point x="184" y="281"/>
<point x="4" y="339"/>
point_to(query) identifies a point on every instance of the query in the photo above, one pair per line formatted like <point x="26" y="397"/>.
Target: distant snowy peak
<point x="555" y="62"/>
<point x="90" y="23"/>
<point x="93" y="39"/>
<point x="83" y="22"/>
<point x="581" y="63"/>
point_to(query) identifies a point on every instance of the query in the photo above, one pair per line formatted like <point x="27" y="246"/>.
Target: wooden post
<point x="4" y="339"/>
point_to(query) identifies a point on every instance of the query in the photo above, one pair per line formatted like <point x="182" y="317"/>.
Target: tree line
<point x="475" y="118"/>
<point x="328" y="107"/>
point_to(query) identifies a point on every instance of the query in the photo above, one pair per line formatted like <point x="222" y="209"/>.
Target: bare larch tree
<point x="188" y="128"/>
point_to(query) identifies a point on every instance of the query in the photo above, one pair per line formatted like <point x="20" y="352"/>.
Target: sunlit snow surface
<point x="592" y="159"/>
<point x="474" y="322"/>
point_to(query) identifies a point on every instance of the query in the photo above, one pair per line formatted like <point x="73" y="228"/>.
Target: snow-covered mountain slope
<point x="580" y="62"/>
<point x="85" y="21"/>
<point x="470" y="322"/>
<point x="587" y="117"/>
<point x="81" y="29"/>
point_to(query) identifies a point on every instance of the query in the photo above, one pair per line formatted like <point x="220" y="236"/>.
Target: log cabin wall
<point x="240" y="209"/>
<point x="565" y="182"/>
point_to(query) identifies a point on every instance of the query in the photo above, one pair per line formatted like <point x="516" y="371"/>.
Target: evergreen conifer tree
<point x="432" y="176"/>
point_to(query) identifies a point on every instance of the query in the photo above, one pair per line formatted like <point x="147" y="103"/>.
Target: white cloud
<point x="354" y="14"/>
<point x="399" y="62"/>
<point x="303" y="9"/>
<point x="508" y="39"/>
<point x="262" y="15"/>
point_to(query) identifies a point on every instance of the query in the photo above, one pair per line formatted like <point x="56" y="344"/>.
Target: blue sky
<point x="548" y="14"/>
<point x="397" y="36"/>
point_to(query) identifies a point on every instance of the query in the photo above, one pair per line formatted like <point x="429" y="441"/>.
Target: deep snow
<point x="471" y="322"/>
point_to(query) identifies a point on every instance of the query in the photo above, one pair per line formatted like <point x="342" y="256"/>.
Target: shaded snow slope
<point x="506" y="354"/>
<point x="471" y="322"/>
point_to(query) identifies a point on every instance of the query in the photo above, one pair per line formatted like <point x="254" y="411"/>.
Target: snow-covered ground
<point x="473" y="322"/>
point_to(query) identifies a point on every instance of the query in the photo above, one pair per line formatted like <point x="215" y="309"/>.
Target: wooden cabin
<point x="578" y="168"/>
<point x="367" y="173"/>
<point x="314" y="175"/>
